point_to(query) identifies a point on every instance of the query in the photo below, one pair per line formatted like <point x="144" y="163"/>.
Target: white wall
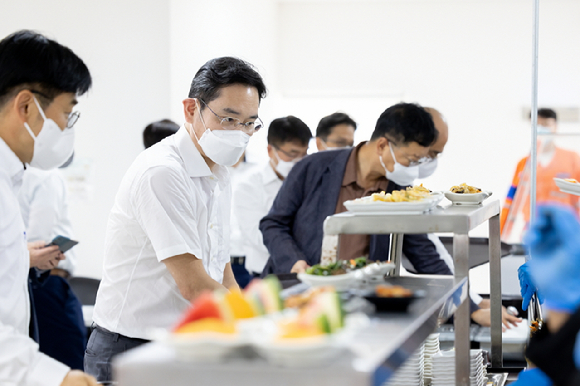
<point x="469" y="58"/>
<point x="125" y="46"/>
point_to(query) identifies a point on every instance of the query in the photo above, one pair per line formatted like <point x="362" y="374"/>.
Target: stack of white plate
<point x="444" y="369"/>
<point x="411" y="373"/>
<point x="431" y="348"/>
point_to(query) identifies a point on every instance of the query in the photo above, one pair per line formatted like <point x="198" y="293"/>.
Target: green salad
<point x="339" y="268"/>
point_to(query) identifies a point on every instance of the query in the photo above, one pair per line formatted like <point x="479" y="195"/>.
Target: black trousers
<point x="102" y="347"/>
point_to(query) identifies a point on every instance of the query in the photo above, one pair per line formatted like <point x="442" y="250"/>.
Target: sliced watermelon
<point x="205" y="306"/>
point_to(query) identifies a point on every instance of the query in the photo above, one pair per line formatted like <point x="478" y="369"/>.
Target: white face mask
<point x="427" y="169"/>
<point x="401" y="175"/>
<point x="283" y="167"/>
<point x="52" y="146"/>
<point x="224" y="147"/>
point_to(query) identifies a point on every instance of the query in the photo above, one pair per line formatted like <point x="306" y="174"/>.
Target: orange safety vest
<point x="564" y="164"/>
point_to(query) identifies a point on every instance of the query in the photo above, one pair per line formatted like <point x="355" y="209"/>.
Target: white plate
<point x="339" y="282"/>
<point x="568" y="187"/>
<point x="202" y="347"/>
<point x="305" y="352"/>
<point x="467" y="198"/>
<point x="366" y="205"/>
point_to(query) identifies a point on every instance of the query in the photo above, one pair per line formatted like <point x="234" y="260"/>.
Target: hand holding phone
<point x="63" y="243"/>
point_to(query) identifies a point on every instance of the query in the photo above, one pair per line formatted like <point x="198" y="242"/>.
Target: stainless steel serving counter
<point x="375" y="352"/>
<point x="458" y="219"/>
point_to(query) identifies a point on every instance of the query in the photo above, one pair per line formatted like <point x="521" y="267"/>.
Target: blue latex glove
<point x="527" y="287"/>
<point x="555" y="264"/>
<point x="532" y="377"/>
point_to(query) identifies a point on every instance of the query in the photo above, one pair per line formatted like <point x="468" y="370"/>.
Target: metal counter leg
<point x="462" y="317"/>
<point x="395" y="252"/>
<point x="495" y="291"/>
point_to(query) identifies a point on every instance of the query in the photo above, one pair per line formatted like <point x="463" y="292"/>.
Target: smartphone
<point x="63" y="243"/>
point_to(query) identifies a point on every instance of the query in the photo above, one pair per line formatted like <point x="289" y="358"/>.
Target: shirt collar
<point x="350" y="170"/>
<point x="11" y="163"/>
<point x="193" y="160"/>
<point x="268" y="174"/>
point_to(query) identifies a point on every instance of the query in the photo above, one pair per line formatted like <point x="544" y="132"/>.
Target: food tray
<point x="568" y="187"/>
<point x="367" y="206"/>
<point x="393" y="304"/>
<point x="467" y="198"/>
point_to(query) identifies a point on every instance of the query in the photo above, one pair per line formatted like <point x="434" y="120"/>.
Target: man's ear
<point x="21" y="104"/>
<point x="320" y="144"/>
<point x="382" y="142"/>
<point x="190" y="106"/>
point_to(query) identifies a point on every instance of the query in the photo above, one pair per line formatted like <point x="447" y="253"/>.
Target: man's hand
<point x="483" y="318"/>
<point x="78" y="378"/>
<point x="299" y="267"/>
<point x="43" y="257"/>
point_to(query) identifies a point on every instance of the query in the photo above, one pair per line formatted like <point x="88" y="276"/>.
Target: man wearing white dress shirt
<point x="167" y="237"/>
<point x="44" y="205"/>
<point x="288" y="139"/>
<point x="39" y="84"/>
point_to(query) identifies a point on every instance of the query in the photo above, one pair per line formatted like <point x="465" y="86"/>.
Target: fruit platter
<point x="218" y="325"/>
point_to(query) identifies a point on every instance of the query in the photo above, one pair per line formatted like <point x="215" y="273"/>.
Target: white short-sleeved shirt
<point x="43" y="202"/>
<point x="169" y="203"/>
<point x="20" y="361"/>
<point x="253" y="198"/>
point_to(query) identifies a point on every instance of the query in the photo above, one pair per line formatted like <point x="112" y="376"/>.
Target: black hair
<point x="326" y="124"/>
<point x="31" y="60"/>
<point x="156" y="131"/>
<point x="546" y="113"/>
<point x="404" y="123"/>
<point x="222" y="72"/>
<point x="288" y="129"/>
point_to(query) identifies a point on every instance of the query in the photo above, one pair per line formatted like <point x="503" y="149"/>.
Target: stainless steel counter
<point x="452" y="218"/>
<point x="375" y="353"/>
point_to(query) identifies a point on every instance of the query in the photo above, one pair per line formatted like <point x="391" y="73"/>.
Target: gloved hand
<point x="527" y="287"/>
<point x="532" y="377"/>
<point x="555" y="264"/>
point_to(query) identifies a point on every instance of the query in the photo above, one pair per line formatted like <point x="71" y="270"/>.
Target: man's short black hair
<point x="156" y="131"/>
<point x="221" y="72"/>
<point x="404" y="123"/>
<point x="288" y="129"/>
<point x="29" y="60"/>
<point x="326" y="124"/>
<point x="546" y="113"/>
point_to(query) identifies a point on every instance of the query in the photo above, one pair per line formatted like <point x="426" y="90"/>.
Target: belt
<point x="117" y="336"/>
<point x="239" y="260"/>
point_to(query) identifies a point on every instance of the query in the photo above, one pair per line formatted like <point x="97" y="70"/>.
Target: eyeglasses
<point x="411" y="162"/>
<point x="229" y="123"/>
<point x="289" y="155"/>
<point x="72" y="117"/>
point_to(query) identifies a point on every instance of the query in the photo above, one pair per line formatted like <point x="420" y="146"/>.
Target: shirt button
<point x="210" y="226"/>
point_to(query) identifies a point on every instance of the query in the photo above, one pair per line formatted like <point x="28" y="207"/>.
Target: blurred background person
<point x="288" y="140"/>
<point x="553" y="161"/>
<point x="335" y="131"/>
<point x="156" y="131"/>
<point x="43" y="203"/>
